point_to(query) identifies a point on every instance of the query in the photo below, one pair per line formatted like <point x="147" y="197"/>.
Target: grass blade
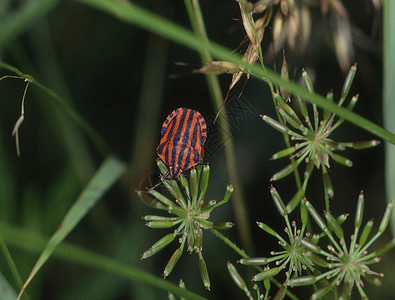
<point x="134" y="14"/>
<point x="6" y="291"/>
<point x="105" y="177"/>
<point x="31" y="241"/>
<point x="388" y="99"/>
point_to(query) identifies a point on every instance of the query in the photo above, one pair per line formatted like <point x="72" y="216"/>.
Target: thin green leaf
<point x="32" y="242"/>
<point x="105" y="177"/>
<point x="6" y="290"/>
<point x="132" y="13"/>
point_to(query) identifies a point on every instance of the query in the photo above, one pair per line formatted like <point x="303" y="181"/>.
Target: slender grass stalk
<point x="97" y="140"/>
<point x="388" y="98"/>
<point x="11" y="265"/>
<point x="132" y="13"/>
<point x="109" y="172"/>
<point x="239" y="203"/>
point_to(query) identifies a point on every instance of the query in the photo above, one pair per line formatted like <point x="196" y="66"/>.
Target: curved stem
<point x="132" y="13"/>
<point x="239" y="203"/>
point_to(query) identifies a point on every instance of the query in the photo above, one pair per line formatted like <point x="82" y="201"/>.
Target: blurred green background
<point x="124" y="81"/>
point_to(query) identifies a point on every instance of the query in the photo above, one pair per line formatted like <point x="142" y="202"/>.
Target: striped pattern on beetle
<point x="184" y="133"/>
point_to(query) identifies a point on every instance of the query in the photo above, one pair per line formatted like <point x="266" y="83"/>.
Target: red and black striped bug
<point x="184" y="133"/>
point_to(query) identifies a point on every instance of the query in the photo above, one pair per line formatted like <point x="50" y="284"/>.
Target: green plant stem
<point x="388" y="98"/>
<point x="35" y="243"/>
<point x="239" y="203"/>
<point x="132" y="13"/>
<point x="229" y="243"/>
<point x="11" y="264"/>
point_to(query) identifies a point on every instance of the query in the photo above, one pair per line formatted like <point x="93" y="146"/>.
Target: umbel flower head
<point x="292" y="258"/>
<point x="311" y="136"/>
<point x="336" y="270"/>
<point x="189" y="212"/>
<point x="344" y="266"/>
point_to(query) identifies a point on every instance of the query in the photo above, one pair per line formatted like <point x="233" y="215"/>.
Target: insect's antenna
<point x="222" y="106"/>
<point x="160" y="182"/>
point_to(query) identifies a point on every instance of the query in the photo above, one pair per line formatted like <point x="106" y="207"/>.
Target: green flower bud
<point x="348" y="81"/>
<point x="267" y="228"/>
<point x="283" y="153"/>
<point x="266" y="274"/>
<point x="193" y="183"/>
<point x="328" y="184"/>
<point x="172" y="261"/>
<point x="301" y="281"/>
<point x="253" y="261"/>
<point x="321" y="292"/>
<point x="309" y="246"/>
<point x="275" y="124"/>
<point x="159" y="245"/>
<point x="236" y="276"/>
<point x="280" y="295"/>
<point x="307" y="82"/>
<point x="204" y="272"/>
<point x="278" y="201"/>
<point x="285" y="171"/>
<point x="365" y="232"/>
<point x="304" y="215"/>
<point x="359" y="211"/>
<point x="317" y="260"/>
<point x="223" y="225"/>
<point x="302" y="107"/>
<point x="294" y="122"/>
<point x="162" y="167"/>
<point x="162" y="224"/>
<point x="161" y="198"/>
<point x="150" y="201"/>
<point x="204" y="180"/>
<point x="386" y="218"/>
<point x="294" y="202"/>
<point x="342" y="160"/>
<point x="334" y="225"/>
<point x="316" y="217"/>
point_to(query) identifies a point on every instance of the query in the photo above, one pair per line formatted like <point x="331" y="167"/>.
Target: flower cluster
<point x="342" y="265"/>
<point x="311" y="135"/>
<point x="190" y="214"/>
<point x="338" y="270"/>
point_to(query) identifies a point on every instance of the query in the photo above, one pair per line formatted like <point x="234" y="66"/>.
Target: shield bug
<point x="183" y="134"/>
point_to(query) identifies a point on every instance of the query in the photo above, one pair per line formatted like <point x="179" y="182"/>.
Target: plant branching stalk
<point x="239" y="206"/>
<point x="132" y="13"/>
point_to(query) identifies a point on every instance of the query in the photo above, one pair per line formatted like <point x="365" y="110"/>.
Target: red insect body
<point x="184" y="133"/>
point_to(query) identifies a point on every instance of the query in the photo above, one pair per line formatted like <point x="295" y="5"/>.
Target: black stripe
<point x="166" y="153"/>
<point x="187" y="159"/>
<point x="195" y="135"/>
<point x="178" y="128"/>
<point x="173" y="153"/>
<point x="196" y="159"/>
<point x="159" y="151"/>
<point x="186" y="137"/>
<point x="182" y="153"/>
<point x="170" y="129"/>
